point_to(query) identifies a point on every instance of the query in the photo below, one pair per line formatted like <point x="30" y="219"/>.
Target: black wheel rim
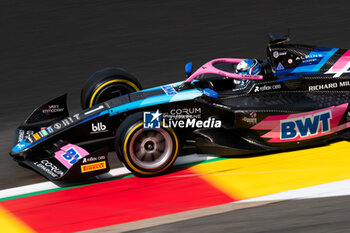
<point x="151" y="148"/>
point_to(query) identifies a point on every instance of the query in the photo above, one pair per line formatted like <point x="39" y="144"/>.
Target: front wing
<point x="70" y="162"/>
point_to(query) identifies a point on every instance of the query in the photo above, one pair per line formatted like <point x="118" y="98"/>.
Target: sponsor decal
<point x="344" y="84"/>
<point x="314" y="55"/>
<point x="44" y="132"/>
<point x="310" y="61"/>
<point x="193" y="123"/>
<point x="267" y="87"/>
<point x="66" y="122"/>
<point x="280" y="67"/>
<point x="341" y="66"/>
<point x="20" y="135"/>
<point x="251" y="119"/>
<point x="252" y="114"/>
<point x="71" y="156"/>
<point x="30" y="139"/>
<point x="323" y="87"/>
<point x="63" y="123"/>
<point x="303" y="126"/>
<point x="20" y="145"/>
<point x="98" y="128"/>
<point x="247" y="76"/>
<point x="49" y="168"/>
<point x="328" y="86"/>
<point x="93" y="110"/>
<point x="153" y="120"/>
<point x="183" y="113"/>
<point x="70" y="119"/>
<point x="169" y="90"/>
<point x="57" y="125"/>
<point x="314" y="60"/>
<point x="53" y="108"/>
<point x="29" y="133"/>
<point x="309" y="57"/>
<point x="93" y="166"/>
<point x="283" y="53"/>
<point x="93" y="159"/>
<point x="76" y="116"/>
<point x="36" y="136"/>
<point x="276" y="54"/>
<point x="306" y="126"/>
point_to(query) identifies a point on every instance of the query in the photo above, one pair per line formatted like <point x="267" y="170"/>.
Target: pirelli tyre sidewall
<point x="146" y="152"/>
<point x="102" y="85"/>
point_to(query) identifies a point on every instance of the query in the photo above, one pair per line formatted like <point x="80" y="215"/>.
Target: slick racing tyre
<point x="106" y="84"/>
<point x="146" y="152"/>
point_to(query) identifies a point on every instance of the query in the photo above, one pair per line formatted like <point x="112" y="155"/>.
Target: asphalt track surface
<point x="320" y="215"/>
<point x="48" y="48"/>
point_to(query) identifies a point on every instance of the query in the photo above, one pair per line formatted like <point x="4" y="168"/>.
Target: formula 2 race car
<point x="299" y="97"/>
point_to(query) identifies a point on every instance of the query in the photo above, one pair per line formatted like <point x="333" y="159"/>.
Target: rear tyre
<point x="146" y="152"/>
<point x="107" y="84"/>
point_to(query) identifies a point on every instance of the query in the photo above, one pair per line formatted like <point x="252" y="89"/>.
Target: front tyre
<point x="107" y="84"/>
<point x="146" y="152"/>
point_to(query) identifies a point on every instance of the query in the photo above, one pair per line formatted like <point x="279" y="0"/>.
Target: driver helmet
<point x="240" y="83"/>
<point x="249" y="66"/>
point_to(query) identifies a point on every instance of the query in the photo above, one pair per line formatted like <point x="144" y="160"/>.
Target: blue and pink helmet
<point x="249" y="66"/>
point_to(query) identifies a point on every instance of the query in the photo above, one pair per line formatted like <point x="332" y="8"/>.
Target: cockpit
<point x="226" y="75"/>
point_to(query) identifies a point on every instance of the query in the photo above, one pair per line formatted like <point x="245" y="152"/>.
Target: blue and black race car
<point x="297" y="97"/>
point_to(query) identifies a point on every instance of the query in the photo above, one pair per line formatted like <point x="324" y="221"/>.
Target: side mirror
<point x="210" y="93"/>
<point x="188" y="69"/>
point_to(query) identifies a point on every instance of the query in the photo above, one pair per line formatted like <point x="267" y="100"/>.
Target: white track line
<point x="333" y="189"/>
<point x="27" y="189"/>
<point x="48" y="185"/>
